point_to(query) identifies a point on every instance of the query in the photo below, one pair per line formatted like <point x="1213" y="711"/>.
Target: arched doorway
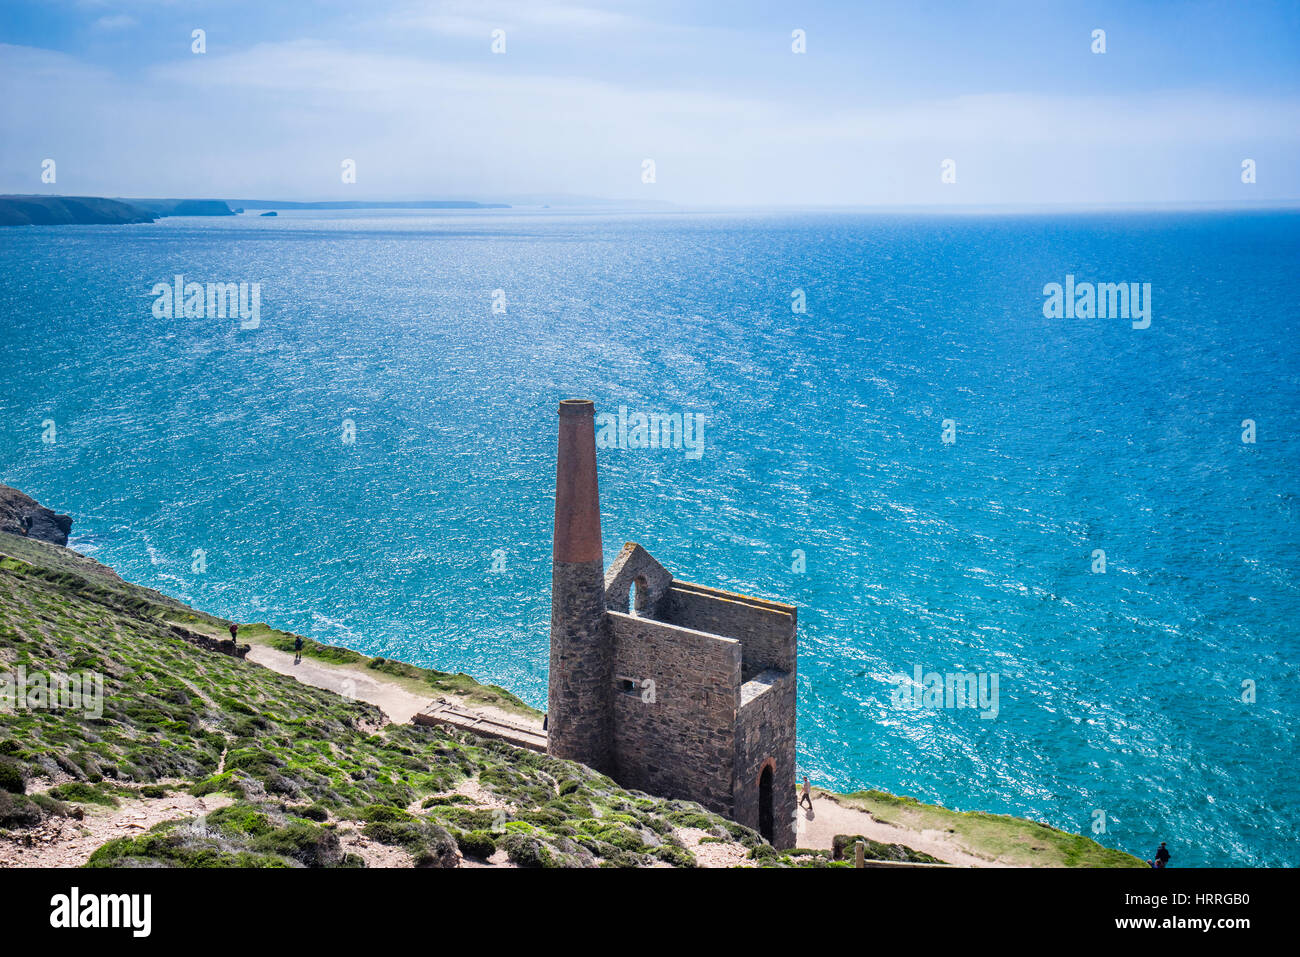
<point x="765" y="826"/>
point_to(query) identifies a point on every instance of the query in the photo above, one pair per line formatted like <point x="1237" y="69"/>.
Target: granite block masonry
<point x="676" y="689"/>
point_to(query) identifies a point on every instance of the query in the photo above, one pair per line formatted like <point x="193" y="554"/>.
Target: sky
<point x="713" y="93"/>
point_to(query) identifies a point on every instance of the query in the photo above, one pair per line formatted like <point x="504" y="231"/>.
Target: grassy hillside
<point x="305" y="772"/>
<point x="1011" y="840"/>
<point x="303" y="766"/>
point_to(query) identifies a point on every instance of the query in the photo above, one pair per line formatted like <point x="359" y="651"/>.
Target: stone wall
<point x="683" y="744"/>
<point x="578" y="701"/>
<point x="766" y="630"/>
<point x="766" y="729"/>
<point x="635" y="566"/>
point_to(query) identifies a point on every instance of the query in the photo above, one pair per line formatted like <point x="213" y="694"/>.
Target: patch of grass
<point x="242" y="818"/>
<point x="224" y="782"/>
<point x="301" y="841"/>
<point x="78" y="792"/>
<point x="526" y="850"/>
<point x="1011" y="840"/>
<point x="173" y="844"/>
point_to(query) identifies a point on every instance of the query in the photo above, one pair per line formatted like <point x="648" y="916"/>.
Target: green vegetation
<point x="11" y="777"/>
<point x="81" y="793"/>
<point x="1011" y="840"/>
<point x="842" y="848"/>
<point x="412" y="676"/>
<point x="302" y="772"/>
<point x="18" y="810"/>
<point x="301" y="767"/>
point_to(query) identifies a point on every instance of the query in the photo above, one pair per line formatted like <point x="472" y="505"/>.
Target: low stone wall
<point x="445" y="713"/>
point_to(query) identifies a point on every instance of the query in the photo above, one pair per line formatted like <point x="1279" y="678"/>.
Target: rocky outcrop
<point x="20" y="514"/>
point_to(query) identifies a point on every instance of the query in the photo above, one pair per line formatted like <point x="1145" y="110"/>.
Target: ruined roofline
<point x="737" y="597"/>
<point x="631" y="549"/>
<point x="759" y="685"/>
<point x="636" y="570"/>
<point x="638" y="620"/>
<point x="627" y="555"/>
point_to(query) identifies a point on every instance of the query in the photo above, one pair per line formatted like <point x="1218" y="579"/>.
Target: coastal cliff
<point x="69" y="210"/>
<point x="41" y="210"/>
<point x="191" y="755"/>
<point x="99" y="211"/>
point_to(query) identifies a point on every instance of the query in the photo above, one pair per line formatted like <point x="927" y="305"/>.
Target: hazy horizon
<point x="585" y="93"/>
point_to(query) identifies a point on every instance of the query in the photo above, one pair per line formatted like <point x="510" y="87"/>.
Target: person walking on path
<point x="234" y="632"/>
<point x="805" y="799"/>
<point x="297" y="649"/>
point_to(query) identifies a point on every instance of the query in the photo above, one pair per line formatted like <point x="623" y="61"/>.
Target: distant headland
<point x="69" y="210"/>
<point x="98" y="211"/>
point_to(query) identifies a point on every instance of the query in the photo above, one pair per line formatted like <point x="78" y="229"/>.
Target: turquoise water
<point x="1118" y="691"/>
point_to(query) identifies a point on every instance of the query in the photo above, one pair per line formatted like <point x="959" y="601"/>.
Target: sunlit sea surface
<point x="1119" y="691"/>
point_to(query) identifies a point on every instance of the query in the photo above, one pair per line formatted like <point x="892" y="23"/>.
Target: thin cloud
<point x="119" y="21"/>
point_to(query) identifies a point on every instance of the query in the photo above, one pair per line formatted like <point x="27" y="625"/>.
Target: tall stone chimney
<point x="579" y="710"/>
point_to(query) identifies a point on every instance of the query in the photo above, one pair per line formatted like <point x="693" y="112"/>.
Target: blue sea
<point x="824" y="478"/>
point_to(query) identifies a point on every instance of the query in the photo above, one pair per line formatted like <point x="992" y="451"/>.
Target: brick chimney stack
<point x="581" y="676"/>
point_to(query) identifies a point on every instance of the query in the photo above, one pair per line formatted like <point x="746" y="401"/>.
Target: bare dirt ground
<point x="372" y="852"/>
<point x="391" y="697"/>
<point x="65" y="842"/>
<point x="818" y="827"/>
<point x="399" y="704"/>
<point x="710" y="854"/>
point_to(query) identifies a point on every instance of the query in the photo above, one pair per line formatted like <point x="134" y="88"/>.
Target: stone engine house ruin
<point x="675" y="689"/>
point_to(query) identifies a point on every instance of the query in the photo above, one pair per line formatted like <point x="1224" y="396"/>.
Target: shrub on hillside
<point x="18" y="810"/>
<point x="11" y="777"/>
<point x="478" y="844"/>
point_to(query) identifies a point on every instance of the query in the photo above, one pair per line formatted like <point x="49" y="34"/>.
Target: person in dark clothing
<point x="1162" y="855"/>
<point x="805" y="799"/>
<point x="297" y="649"/>
<point x="234" y="633"/>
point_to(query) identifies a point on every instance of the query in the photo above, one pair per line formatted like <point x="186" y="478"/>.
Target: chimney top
<point x="577" y="495"/>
